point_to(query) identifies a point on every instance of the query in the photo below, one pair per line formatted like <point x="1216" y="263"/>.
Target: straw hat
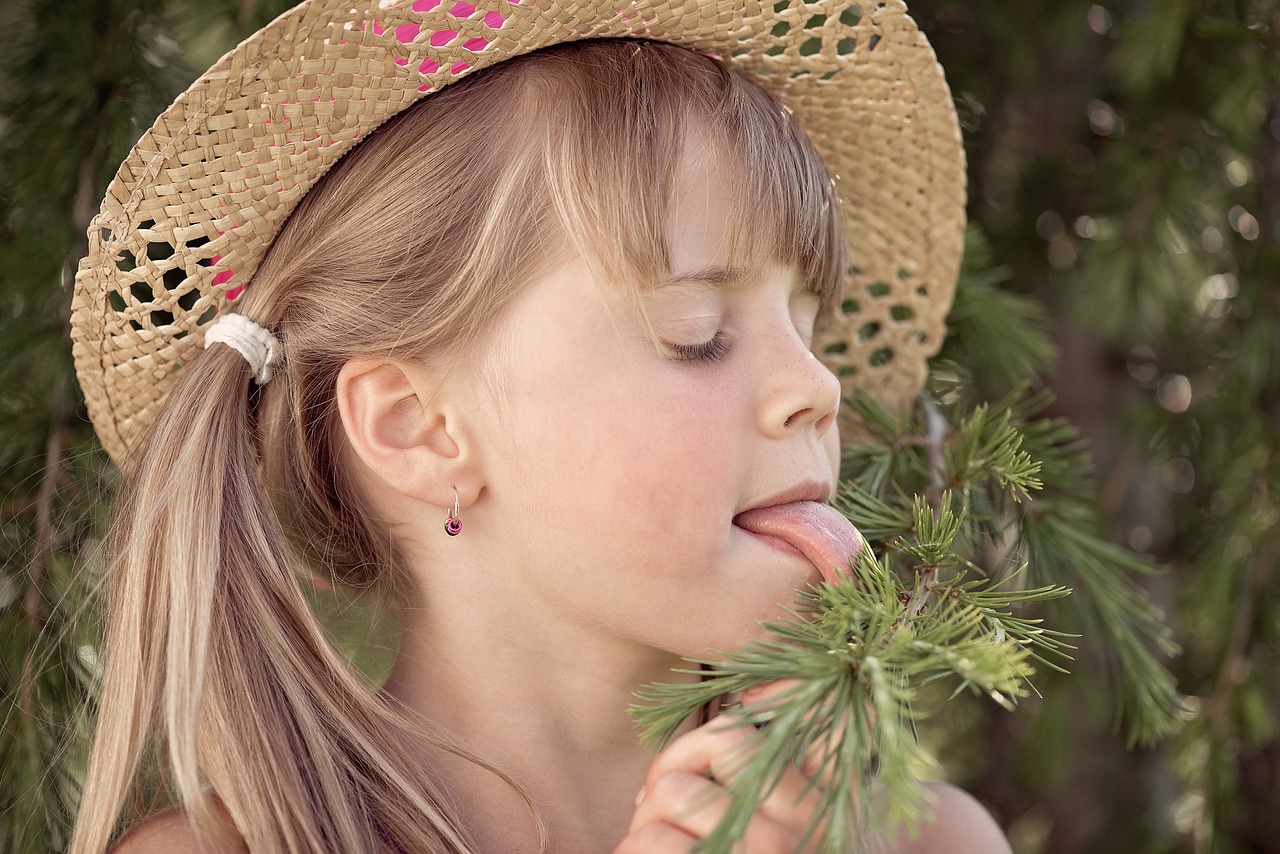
<point x="192" y="211"/>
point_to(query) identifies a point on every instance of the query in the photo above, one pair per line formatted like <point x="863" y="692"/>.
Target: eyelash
<point x="714" y="350"/>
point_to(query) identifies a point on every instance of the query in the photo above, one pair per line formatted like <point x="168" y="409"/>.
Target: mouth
<point x="799" y="522"/>
<point x="809" y="490"/>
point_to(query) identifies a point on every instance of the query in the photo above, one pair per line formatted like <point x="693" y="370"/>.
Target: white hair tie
<point x="259" y="347"/>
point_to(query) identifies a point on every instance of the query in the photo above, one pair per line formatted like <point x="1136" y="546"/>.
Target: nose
<point x="798" y="391"/>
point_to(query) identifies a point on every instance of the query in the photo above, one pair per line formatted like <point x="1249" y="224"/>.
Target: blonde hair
<point x="408" y="248"/>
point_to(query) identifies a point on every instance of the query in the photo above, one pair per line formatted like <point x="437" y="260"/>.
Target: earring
<point x="453" y="525"/>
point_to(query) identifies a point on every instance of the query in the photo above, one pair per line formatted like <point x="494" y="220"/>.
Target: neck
<point x="544" y="702"/>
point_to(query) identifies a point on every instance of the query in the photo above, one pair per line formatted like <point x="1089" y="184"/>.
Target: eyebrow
<point x="729" y="278"/>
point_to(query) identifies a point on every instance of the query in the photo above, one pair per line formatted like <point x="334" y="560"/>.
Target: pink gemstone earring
<point x="453" y="525"/>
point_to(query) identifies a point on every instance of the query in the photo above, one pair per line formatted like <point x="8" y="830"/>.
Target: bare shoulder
<point x="960" y="825"/>
<point x="174" y="831"/>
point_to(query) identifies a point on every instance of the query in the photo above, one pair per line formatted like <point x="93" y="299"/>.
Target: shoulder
<point x="174" y="831"/>
<point x="960" y="825"/>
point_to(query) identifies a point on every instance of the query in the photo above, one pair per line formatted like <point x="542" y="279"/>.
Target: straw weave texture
<point x="192" y="211"/>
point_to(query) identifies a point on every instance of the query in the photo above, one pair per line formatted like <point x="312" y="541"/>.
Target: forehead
<point x="700" y="220"/>
<point x="709" y="241"/>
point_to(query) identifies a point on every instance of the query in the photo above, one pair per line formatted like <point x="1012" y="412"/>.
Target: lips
<point x="816" y="530"/>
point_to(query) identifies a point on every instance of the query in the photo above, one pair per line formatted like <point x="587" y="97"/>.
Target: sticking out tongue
<point x="818" y="531"/>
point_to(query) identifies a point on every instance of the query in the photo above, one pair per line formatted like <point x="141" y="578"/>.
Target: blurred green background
<point x="1124" y="172"/>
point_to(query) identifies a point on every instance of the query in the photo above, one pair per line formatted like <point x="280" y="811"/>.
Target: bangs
<point x="620" y="116"/>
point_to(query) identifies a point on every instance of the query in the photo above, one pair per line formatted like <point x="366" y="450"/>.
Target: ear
<point x="401" y="422"/>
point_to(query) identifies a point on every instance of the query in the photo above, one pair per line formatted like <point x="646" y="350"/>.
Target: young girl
<point x="535" y="359"/>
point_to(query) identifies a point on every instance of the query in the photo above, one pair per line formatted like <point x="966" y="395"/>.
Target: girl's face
<point x="615" y="469"/>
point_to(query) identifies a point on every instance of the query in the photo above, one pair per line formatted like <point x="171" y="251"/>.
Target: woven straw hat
<point x="194" y="208"/>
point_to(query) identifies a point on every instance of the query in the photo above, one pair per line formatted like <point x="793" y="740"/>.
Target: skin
<point x="598" y="477"/>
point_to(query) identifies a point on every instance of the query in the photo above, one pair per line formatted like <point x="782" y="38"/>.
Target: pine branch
<point x="860" y="651"/>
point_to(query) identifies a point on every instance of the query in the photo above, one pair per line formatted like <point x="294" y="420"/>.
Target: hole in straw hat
<point x="851" y="16"/>
<point x="901" y="313"/>
<point x="835" y="347"/>
<point x="850" y="306"/>
<point x="846" y="46"/>
<point x="174" y="278"/>
<point x="881" y="357"/>
<point x="878" y="289"/>
<point x="810" y="46"/>
<point x="159" y="251"/>
<point x="115" y="301"/>
<point x="869" y="330"/>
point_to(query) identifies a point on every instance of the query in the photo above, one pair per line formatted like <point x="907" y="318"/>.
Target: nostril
<point x="806" y="415"/>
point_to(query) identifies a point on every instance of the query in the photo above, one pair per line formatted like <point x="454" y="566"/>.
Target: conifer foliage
<point x="1096" y="657"/>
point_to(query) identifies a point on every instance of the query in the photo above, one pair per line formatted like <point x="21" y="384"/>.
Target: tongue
<point x="818" y="531"/>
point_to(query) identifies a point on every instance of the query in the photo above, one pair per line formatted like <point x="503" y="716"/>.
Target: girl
<point x="535" y="358"/>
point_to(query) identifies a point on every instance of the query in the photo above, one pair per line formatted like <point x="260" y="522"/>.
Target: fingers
<point x="718" y="749"/>
<point x="819" y="756"/>
<point x="766" y="698"/>
<point x="682" y="807"/>
<point x="683" y="799"/>
<point x="686" y="787"/>
<point x="656" y="838"/>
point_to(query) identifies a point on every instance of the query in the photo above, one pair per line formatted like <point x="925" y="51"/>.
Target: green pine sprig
<point x="860" y="651"/>
<point x="1027" y="484"/>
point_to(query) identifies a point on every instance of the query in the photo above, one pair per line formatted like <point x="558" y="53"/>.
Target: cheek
<point x="628" y="470"/>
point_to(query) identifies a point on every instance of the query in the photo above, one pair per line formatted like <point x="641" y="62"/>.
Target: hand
<point x="685" y="793"/>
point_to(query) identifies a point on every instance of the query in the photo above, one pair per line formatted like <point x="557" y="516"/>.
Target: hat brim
<point x="195" y="206"/>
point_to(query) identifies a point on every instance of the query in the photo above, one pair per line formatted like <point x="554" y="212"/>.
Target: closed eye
<point x="714" y="350"/>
